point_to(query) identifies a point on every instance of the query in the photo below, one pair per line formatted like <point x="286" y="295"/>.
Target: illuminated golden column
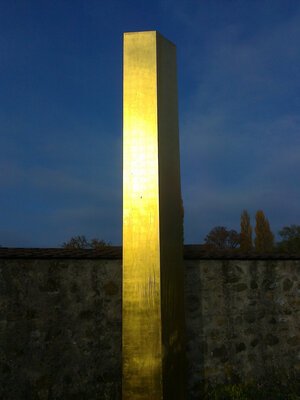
<point x="153" y="300"/>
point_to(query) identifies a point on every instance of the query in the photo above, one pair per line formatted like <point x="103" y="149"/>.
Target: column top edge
<point x="150" y="32"/>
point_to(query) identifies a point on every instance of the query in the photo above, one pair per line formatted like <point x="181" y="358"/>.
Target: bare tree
<point x="220" y="238"/>
<point x="81" y="242"/>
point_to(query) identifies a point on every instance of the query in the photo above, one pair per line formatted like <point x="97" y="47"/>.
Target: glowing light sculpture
<point x="153" y="346"/>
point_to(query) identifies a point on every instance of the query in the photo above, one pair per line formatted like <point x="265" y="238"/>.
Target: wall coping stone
<point x="191" y="252"/>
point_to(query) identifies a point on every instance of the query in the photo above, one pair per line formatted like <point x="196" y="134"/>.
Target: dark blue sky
<point x="61" y="114"/>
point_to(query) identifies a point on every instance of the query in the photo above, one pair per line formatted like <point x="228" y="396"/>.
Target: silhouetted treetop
<point x="290" y="242"/>
<point x="221" y="238"/>
<point x="81" y="242"/>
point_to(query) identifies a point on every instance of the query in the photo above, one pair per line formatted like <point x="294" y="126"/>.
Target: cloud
<point x="240" y="132"/>
<point x="62" y="191"/>
<point x="223" y="174"/>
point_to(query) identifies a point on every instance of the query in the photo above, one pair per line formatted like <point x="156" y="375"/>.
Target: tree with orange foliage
<point x="246" y="232"/>
<point x="264" y="240"/>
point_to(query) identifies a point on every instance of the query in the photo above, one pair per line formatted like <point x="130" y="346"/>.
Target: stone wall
<point x="60" y="325"/>
<point x="243" y="320"/>
<point x="60" y="329"/>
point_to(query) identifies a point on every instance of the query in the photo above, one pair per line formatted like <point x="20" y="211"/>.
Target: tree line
<point x="220" y="238"/>
<point x="81" y="242"/>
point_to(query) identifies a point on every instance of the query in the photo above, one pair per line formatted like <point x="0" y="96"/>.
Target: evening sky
<point x="61" y="114"/>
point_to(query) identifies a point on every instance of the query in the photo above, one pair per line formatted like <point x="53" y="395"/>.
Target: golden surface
<point x="153" y="304"/>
